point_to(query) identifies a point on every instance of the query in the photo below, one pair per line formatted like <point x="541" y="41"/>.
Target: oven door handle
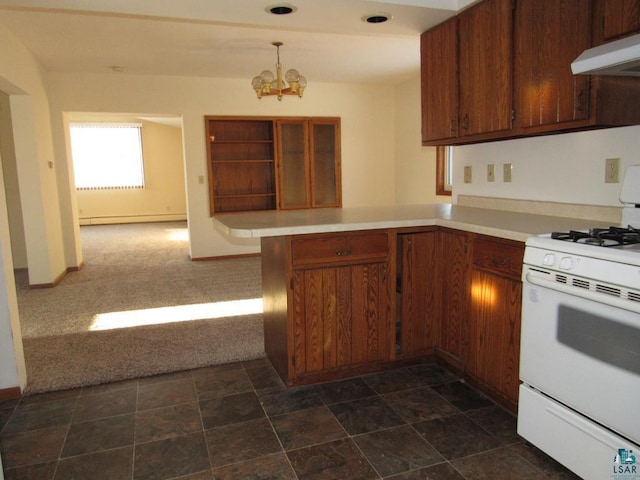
<point x="598" y="297"/>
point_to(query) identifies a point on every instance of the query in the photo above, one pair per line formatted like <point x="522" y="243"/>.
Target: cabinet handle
<point x="465" y="121"/>
<point x="499" y="262"/>
<point x="579" y="106"/>
<point x="384" y="273"/>
<point x="453" y="126"/>
<point x="343" y="253"/>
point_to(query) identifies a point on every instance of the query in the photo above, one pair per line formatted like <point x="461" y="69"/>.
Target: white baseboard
<point x="132" y="219"/>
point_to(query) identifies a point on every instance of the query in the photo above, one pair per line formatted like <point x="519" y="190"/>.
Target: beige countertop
<point x="497" y="223"/>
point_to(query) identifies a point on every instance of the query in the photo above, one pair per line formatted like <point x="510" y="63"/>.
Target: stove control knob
<point x="549" y="259"/>
<point x="566" y="263"/>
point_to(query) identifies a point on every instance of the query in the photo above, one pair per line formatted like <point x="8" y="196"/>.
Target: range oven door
<point x="584" y="354"/>
<point x="580" y="368"/>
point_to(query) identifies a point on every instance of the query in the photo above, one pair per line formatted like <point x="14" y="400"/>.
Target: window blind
<point x="107" y="155"/>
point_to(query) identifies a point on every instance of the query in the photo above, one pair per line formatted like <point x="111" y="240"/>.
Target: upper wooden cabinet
<point x="619" y="18"/>
<point x="549" y="35"/>
<point x="309" y="163"/>
<point x="258" y="163"/>
<point x="514" y="71"/>
<point x="467" y="75"/>
<point x="439" y="76"/>
<point x="485" y="73"/>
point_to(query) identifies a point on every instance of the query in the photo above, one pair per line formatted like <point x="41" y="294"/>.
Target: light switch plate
<point x="467" y="174"/>
<point x="612" y="170"/>
<point x="491" y="173"/>
<point x="506" y="172"/>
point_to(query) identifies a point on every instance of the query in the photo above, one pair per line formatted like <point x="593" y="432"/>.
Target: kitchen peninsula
<point x="353" y="290"/>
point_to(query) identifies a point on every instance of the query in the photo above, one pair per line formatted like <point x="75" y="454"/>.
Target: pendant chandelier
<point x="267" y="83"/>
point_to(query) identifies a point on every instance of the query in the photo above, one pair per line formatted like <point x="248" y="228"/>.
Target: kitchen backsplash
<point x="556" y="209"/>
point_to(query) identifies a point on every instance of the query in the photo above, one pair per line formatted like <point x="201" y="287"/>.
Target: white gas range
<point x="580" y="345"/>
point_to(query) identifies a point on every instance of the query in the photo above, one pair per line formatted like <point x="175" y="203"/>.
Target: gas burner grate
<point x="602" y="237"/>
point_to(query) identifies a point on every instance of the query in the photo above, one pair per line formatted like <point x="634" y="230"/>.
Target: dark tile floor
<point x="238" y="421"/>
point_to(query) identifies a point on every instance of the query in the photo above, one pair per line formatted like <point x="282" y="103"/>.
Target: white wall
<point x="567" y="168"/>
<point x="12" y="368"/>
<point x="12" y="189"/>
<point x="367" y="114"/>
<point x="415" y="165"/>
<point x="21" y="78"/>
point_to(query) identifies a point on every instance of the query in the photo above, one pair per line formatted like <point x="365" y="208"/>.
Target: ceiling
<point x="326" y="40"/>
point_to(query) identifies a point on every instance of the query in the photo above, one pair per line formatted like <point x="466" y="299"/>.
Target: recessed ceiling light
<point x="377" y="18"/>
<point x="280" y="9"/>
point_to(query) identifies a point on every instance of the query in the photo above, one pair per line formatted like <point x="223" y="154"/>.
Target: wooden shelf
<point x="244" y="161"/>
<point x="266" y="163"/>
<point x="239" y="141"/>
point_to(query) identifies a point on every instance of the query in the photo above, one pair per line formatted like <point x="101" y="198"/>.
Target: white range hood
<point x="619" y="58"/>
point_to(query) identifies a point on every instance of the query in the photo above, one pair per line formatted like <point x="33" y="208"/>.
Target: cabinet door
<point x="485" y="35"/>
<point x="326" y="185"/>
<point x="549" y="35"/>
<point x="621" y="18"/>
<point x="340" y="317"/>
<point x="494" y="333"/>
<point x="439" y="77"/>
<point x="293" y="164"/>
<point x="493" y="353"/>
<point x="417" y="328"/>
<point x="454" y="280"/>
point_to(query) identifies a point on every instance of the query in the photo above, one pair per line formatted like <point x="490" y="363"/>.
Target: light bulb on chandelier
<point x="267" y="84"/>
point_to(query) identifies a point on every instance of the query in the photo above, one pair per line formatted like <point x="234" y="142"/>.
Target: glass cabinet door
<point x="293" y="168"/>
<point x="325" y="158"/>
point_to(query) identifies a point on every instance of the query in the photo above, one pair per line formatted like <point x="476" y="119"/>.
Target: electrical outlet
<point x="467" y="174"/>
<point x="611" y="170"/>
<point x="506" y="172"/>
<point x="491" y="173"/>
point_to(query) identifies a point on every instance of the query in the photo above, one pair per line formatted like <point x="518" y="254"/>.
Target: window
<point x="444" y="170"/>
<point x="107" y="155"/>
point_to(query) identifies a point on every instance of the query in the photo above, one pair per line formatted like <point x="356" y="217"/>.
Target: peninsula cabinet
<point x="341" y="304"/>
<point x="328" y="304"/>
<point x="269" y="163"/>
<point x="493" y="332"/>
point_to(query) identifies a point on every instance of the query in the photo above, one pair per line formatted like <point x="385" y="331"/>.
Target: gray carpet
<point x="137" y="268"/>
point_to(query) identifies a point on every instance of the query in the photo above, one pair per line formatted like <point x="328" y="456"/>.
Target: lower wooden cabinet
<point x="347" y="303"/>
<point x="453" y="255"/>
<point x="493" y="333"/>
<point x="417" y="322"/>
<point x="328" y="314"/>
<point x="340" y="317"/>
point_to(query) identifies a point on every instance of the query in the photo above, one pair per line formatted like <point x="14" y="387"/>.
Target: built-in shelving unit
<point x="269" y="163"/>
<point x="241" y="164"/>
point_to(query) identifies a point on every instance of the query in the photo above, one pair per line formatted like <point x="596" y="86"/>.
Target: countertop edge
<point x="497" y="223"/>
